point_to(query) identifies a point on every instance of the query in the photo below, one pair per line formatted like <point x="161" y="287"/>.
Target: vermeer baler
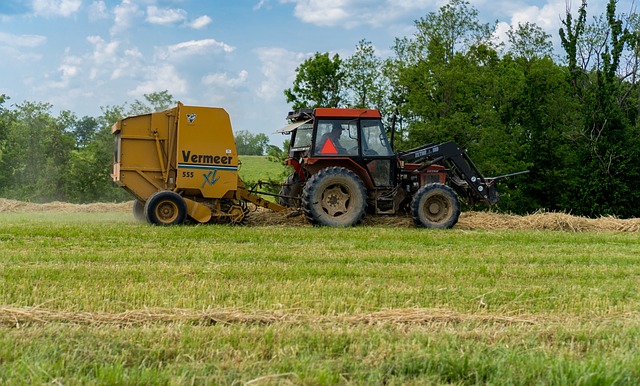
<point x="182" y="163"/>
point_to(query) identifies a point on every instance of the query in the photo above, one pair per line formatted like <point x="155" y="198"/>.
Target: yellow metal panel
<point x="206" y="153"/>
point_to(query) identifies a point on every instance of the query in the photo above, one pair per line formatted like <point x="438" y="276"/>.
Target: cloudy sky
<point x="80" y="55"/>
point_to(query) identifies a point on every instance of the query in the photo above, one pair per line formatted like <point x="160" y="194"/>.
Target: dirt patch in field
<point x="468" y="220"/>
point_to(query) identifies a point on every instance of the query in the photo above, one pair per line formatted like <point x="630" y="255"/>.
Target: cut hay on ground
<point x="476" y="220"/>
<point x="468" y="220"/>
<point x="15" y="317"/>
<point x="20" y="206"/>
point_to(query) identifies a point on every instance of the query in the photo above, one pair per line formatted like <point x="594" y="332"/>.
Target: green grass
<point x="99" y="298"/>
<point x="254" y="168"/>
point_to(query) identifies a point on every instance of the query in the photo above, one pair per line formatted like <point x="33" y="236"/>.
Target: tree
<point x="154" y="102"/>
<point x="364" y="78"/>
<point x="528" y="41"/>
<point x="318" y="83"/>
<point x="608" y="143"/>
<point x="454" y="28"/>
<point x="37" y="156"/>
<point x="251" y="144"/>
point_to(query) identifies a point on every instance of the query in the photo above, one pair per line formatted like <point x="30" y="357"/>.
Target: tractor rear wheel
<point x="292" y="189"/>
<point x="435" y="206"/>
<point x="165" y="208"/>
<point x="334" y="196"/>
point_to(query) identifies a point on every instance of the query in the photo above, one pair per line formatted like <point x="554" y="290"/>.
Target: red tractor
<point x="344" y="166"/>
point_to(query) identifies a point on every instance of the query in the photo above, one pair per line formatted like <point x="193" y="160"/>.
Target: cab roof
<point x="346" y="113"/>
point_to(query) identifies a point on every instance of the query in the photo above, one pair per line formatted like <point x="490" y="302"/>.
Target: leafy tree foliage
<point x="363" y="79"/>
<point x="251" y="144"/>
<point x="318" y="83"/>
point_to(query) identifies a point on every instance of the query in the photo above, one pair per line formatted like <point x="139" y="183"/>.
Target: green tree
<point x="364" y="78"/>
<point x="154" y="102"/>
<point x="6" y="120"/>
<point x="607" y="142"/>
<point x="528" y="41"/>
<point x="37" y="157"/>
<point x="318" y="83"/>
<point x="251" y="144"/>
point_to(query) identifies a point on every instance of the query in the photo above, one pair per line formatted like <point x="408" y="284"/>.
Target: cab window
<point x="336" y="137"/>
<point x="303" y="136"/>
<point x="374" y="139"/>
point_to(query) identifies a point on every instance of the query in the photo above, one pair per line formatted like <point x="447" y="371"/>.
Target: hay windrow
<point x="20" y="206"/>
<point x="28" y="316"/>
<point x="474" y="220"/>
<point x="468" y="220"/>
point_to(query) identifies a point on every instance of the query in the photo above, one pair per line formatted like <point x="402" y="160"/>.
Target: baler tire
<point x="138" y="210"/>
<point x="292" y="189"/>
<point x="435" y="206"/>
<point x="165" y="207"/>
<point x="334" y="196"/>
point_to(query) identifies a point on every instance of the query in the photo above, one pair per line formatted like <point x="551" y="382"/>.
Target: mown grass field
<point x="97" y="298"/>
<point x="253" y="168"/>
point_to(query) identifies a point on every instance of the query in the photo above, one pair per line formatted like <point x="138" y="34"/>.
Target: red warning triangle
<point x="329" y="147"/>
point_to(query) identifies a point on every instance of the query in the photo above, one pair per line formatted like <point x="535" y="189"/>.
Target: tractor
<point x="344" y="166"/>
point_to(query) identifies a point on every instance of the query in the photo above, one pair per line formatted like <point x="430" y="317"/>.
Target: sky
<point x="80" y="55"/>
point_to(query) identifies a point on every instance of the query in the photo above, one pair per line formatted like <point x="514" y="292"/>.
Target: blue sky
<point x="80" y="55"/>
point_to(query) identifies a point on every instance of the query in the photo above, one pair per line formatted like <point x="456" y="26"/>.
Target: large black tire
<point x="165" y="208"/>
<point x="435" y="206"/>
<point x="292" y="188"/>
<point x="334" y="197"/>
<point x="138" y="210"/>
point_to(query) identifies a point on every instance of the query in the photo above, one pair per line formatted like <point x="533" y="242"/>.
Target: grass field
<point x="97" y="298"/>
<point x="254" y="168"/>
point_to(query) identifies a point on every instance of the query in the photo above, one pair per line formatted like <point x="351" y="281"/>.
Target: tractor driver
<point x="334" y="136"/>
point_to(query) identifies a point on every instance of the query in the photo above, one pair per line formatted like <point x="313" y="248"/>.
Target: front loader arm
<point x="464" y="176"/>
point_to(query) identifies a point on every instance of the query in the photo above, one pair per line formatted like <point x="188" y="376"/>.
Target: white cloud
<point x="98" y="11"/>
<point x="355" y="13"/>
<point x="103" y="52"/>
<point x="124" y="16"/>
<point x="200" y="22"/>
<point x="22" y="40"/>
<point x="223" y="80"/>
<point x="193" y="47"/>
<point x="260" y="5"/>
<point x="546" y="17"/>
<point x="52" y="8"/>
<point x="278" y="67"/>
<point x="162" y="16"/>
<point x="159" y="78"/>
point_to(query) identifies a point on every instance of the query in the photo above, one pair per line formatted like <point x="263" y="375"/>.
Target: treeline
<point x="62" y="158"/>
<point x="69" y="158"/>
<point x="571" y="121"/>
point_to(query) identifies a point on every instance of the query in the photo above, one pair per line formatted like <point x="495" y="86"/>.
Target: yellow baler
<point x="182" y="163"/>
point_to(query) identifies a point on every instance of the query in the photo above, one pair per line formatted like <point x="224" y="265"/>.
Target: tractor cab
<point x="351" y="138"/>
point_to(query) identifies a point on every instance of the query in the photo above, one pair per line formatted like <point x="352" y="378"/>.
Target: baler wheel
<point x="435" y="206"/>
<point x="138" y="210"/>
<point x="334" y="196"/>
<point x="165" y="207"/>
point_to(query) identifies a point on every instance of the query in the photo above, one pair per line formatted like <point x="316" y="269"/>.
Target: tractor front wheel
<point x="335" y="197"/>
<point x="165" y="208"/>
<point x="435" y="206"/>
